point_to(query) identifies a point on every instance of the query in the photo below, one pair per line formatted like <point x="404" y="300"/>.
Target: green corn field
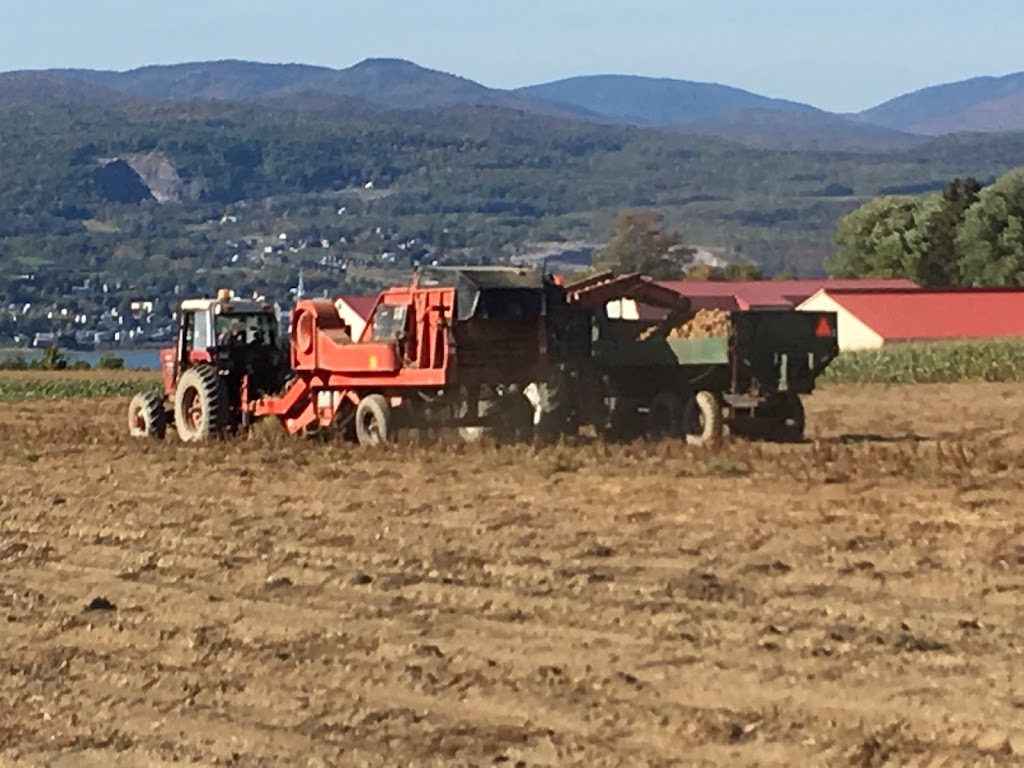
<point x="57" y="387"/>
<point x="996" y="361"/>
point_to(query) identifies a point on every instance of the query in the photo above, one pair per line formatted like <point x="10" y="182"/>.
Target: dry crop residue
<point x="852" y="601"/>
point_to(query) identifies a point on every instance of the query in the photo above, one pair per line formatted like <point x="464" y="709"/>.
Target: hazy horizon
<point x="835" y="58"/>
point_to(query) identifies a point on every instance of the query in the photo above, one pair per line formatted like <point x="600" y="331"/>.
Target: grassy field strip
<point x="937" y="363"/>
<point x="18" y="386"/>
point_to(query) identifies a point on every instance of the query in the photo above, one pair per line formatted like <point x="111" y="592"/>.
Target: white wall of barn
<point x="853" y="334"/>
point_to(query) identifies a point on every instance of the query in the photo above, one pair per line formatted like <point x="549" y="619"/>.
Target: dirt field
<point x="856" y="600"/>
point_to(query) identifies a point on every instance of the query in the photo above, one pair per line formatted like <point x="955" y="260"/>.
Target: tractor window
<point x="258" y="328"/>
<point x="188" y="329"/>
<point x="201" y="338"/>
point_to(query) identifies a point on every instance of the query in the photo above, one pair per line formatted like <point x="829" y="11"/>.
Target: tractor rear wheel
<point x="146" y="416"/>
<point x="702" y="420"/>
<point x="374" y="424"/>
<point x="200" y="404"/>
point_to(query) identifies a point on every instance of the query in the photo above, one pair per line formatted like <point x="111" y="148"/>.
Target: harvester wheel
<point x="200" y="404"/>
<point x="702" y="420"/>
<point x="146" y="416"/>
<point x="373" y="421"/>
<point x="665" y="417"/>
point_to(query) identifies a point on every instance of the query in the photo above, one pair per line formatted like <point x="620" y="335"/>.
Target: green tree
<point x="991" y="237"/>
<point x="638" y="244"/>
<point x="53" y="359"/>
<point x="879" y="239"/>
<point x="742" y="271"/>
<point x="939" y="222"/>
<point x="703" y="272"/>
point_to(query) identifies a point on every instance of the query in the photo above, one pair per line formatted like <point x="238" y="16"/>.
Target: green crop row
<point x="56" y="388"/>
<point x="996" y="361"/>
<point x="1001" y="361"/>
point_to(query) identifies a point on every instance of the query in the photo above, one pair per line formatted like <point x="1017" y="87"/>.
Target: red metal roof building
<point x="774" y="294"/>
<point x="868" y="319"/>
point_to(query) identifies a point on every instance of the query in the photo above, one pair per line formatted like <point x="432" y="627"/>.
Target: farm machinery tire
<point x="374" y="421"/>
<point x="792" y="421"/>
<point x="200" y="404"/>
<point x="146" y="416"/>
<point x="509" y="419"/>
<point x="512" y="418"/>
<point x="664" y="417"/>
<point x="622" y="422"/>
<point x="478" y="433"/>
<point x="472" y="434"/>
<point x="702" y="420"/>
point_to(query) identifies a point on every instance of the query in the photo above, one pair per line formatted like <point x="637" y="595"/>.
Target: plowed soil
<point x="855" y="600"/>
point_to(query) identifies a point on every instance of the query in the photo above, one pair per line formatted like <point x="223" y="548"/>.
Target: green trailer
<point x="750" y="379"/>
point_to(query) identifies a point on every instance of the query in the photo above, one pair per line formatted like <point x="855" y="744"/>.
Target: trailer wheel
<point x="200" y="404"/>
<point x="702" y="420"/>
<point x="793" y="421"/>
<point x="146" y="416"/>
<point x="373" y="421"/>
<point x="665" y="417"/>
<point x="512" y="418"/>
<point x="622" y="423"/>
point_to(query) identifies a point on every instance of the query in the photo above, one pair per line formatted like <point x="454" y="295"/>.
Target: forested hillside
<point x="150" y="196"/>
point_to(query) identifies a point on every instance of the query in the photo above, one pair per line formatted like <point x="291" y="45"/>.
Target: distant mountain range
<point x="987" y="104"/>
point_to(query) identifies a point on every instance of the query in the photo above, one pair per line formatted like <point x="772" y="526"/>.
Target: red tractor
<point x="458" y="348"/>
<point x="229" y="353"/>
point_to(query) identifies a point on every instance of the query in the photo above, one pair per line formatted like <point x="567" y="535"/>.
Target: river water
<point x="133" y="358"/>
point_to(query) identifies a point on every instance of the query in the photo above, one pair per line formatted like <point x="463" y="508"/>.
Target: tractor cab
<point x="229" y="353"/>
<point x="238" y="337"/>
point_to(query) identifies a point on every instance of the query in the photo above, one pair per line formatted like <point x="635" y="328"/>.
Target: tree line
<point x="966" y="235"/>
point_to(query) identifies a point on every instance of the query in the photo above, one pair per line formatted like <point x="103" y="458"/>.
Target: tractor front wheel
<point x="374" y="423"/>
<point x="200" y="404"/>
<point x="146" y="416"/>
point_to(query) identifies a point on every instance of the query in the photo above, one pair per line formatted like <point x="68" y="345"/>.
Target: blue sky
<point x="843" y="56"/>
